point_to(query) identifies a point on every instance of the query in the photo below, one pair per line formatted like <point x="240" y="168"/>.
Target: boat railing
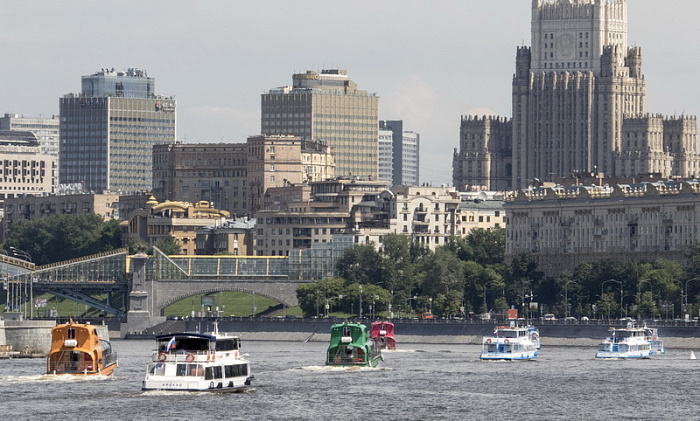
<point x="184" y="356"/>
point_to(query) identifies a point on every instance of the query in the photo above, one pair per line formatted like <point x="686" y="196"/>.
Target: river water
<point x="418" y="382"/>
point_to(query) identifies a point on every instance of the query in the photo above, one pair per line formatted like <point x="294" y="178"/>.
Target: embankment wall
<point x="682" y="337"/>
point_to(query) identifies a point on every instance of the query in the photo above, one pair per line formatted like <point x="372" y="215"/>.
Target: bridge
<point x="140" y="287"/>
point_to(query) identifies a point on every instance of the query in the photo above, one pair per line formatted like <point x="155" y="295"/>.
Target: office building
<point x="235" y="177"/>
<point x="24" y="169"/>
<point x="327" y="107"/>
<point x="109" y="129"/>
<point x="405" y="153"/>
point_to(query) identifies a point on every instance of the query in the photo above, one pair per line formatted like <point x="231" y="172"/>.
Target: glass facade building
<point x="108" y="132"/>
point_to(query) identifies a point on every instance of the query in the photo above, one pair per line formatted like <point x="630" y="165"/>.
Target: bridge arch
<point x="160" y="308"/>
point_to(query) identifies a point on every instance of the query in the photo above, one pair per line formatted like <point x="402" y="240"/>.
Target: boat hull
<point x="623" y="355"/>
<point x="509" y="356"/>
<point x="104" y="371"/>
<point x="217" y="386"/>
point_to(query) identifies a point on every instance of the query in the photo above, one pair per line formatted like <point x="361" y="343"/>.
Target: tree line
<point x="469" y="276"/>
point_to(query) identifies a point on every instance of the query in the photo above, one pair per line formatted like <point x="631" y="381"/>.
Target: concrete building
<point x="108" y="206"/>
<point x="330" y="108"/>
<point x="24" y="169"/>
<point x="234" y="236"/>
<point x="483" y="210"/>
<point x="172" y="219"/>
<point x="386" y="156"/>
<point x="578" y="106"/>
<point x="565" y="226"/>
<point x="46" y="131"/>
<point x="234" y="177"/>
<point x="300" y="224"/>
<point x="109" y="129"/>
<point x="405" y="153"/>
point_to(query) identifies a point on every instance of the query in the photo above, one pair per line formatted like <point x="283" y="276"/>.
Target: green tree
<point x="169" y="246"/>
<point x="64" y="237"/>
<point x="361" y="264"/>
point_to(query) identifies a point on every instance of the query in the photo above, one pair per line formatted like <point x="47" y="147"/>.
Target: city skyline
<point x="428" y="66"/>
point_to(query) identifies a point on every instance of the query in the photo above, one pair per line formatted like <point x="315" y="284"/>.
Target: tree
<point x="169" y="246"/>
<point x="64" y="237"/>
<point x="361" y="264"/>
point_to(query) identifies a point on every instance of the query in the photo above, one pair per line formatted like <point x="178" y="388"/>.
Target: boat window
<point x="158" y="369"/>
<point x="226" y="344"/>
<point x="236" y="370"/>
<point x="71" y="333"/>
<point x="208" y="373"/>
<point x="217" y="372"/>
<point x="181" y="370"/>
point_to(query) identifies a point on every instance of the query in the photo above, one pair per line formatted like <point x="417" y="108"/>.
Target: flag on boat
<point x="171" y="344"/>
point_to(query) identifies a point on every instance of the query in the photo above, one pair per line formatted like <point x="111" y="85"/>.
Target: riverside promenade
<point x="678" y="334"/>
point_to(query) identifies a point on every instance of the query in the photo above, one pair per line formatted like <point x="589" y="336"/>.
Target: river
<point x="418" y="382"/>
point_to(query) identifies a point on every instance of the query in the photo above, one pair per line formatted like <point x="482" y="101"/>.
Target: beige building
<point x="301" y="223"/>
<point x="234" y="236"/>
<point x="328" y="107"/>
<point x="212" y="172"/>
<point x="578" y="106"/>
<point x="483" y="210"/>
<point x="173" y="219"/>
<point x="278" y="161"/>
<point x="563" y="227"/>
<point x="234" y="177"/>
<point x="24" y="169"/>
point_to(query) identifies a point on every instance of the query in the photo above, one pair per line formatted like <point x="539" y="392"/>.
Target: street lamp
<point x="360" y="302"/>
<point x="21" y="254"/>
<point x="602" y="292"/>
<point x="493" y="281"/>
<point x="686" y="291"/>
<point x="566" y="297"/>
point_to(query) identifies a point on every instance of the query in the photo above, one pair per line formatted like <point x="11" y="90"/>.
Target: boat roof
<point x="186" y="335"/>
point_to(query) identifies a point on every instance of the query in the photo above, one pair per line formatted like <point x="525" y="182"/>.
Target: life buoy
<point x="506" y="341"/>
<point x="488" y="341"/>
<point x="189" y="358"/>
<point x="162" y="356"/>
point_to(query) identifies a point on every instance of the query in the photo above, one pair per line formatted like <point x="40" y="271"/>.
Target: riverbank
<point x="293" y="330"/>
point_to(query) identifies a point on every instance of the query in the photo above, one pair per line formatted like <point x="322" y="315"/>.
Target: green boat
<point x="351" y="346"/>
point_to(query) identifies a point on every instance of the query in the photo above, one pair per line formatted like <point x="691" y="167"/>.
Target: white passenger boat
<point x="629" y="342"/>
<point x="198" y="362"/>
<point x="511" y="343"/>
<point x="657" y="345"/>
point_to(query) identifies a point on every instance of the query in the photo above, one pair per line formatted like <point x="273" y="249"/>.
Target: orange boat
<point x="77" y="349"/>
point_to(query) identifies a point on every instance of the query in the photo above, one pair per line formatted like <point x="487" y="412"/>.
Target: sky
<point x="430" y="62"/>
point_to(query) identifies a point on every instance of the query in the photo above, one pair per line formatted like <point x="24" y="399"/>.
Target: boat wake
<point x="52" y="378"/>
<point x="322" y="368"/>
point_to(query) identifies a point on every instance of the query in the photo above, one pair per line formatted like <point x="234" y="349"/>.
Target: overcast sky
<point x="429" y="61"/>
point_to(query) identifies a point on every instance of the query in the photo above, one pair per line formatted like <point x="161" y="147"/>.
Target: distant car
<point x="584" y="319"/>
<point x="550" y="317"/>
<point x="425" y="315"/>
<point x="570" y="319"/>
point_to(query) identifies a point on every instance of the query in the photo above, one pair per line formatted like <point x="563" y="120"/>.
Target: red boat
<point x="383" y="335"/>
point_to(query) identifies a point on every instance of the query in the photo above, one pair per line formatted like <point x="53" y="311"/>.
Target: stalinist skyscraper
<point x="578" y="106"/>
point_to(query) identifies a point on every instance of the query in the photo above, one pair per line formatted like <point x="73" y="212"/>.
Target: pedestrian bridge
<point x="161" y="280"/>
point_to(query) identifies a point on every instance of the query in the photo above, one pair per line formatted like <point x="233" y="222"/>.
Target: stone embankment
<point x="422" y="332"/>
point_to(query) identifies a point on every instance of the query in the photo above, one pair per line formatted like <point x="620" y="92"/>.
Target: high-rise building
<point x="405" y="153"/>
<point x="578" y="107"/>
<point x="109" y="129"/>
<point x="327" y="107"/>
<point x="386" y="155"/>
<point x="46" y="132"/>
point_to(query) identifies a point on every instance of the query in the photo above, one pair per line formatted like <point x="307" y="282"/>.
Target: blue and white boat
<point x="511" y="343"/>
<point x="623" y="343"/>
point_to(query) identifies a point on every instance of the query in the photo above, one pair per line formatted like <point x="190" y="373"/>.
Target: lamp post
<point x="360" y="302"/>
<point x="566" y="297"/>
<point x="493" y="281"/>
<point x="602" y="292"/>
<point x="21" y="254"/>
<point x="686" y="291"/>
